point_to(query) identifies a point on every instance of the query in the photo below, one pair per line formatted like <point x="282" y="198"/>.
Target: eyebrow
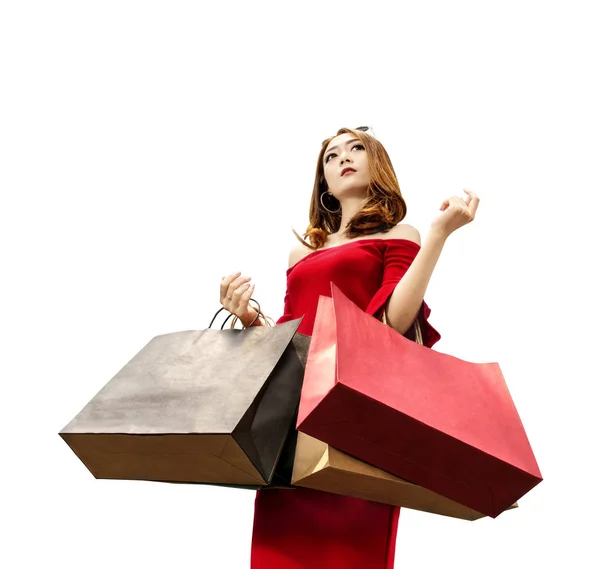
<point x="347" y="142"/>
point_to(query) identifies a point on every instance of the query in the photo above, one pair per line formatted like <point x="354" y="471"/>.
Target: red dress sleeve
<point x="398" y="256"/>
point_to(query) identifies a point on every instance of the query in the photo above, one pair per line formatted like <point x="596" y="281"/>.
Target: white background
<point x="149" y="148"/>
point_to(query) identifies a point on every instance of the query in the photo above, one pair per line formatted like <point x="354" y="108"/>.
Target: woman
<point x="356" y="240"/>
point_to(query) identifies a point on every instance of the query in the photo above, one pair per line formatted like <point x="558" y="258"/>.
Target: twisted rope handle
<point x="259" y="314"/>
<point x="417" y="327"/>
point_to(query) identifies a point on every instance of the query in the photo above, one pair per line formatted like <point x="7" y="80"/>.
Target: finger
<point x="460" y="208"/>
<point x="239" y="291"/>
<point x="226" y="281"/>
<point x="232" y="276"/>
<point x="245" y="298"/>
<point x="248" y="294"/>
<point x="225" y="295"/>
<point x="237" y="283"/>
<point x="245" y="301"/>
<point x="467" y="211"/>
<point x="473" y="200"/>
<point x="472" y="195"/>
<point x="233" y="281"/>
<point x="457" y="202"/>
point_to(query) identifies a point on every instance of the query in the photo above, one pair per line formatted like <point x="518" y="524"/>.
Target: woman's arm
<point x="405" y="302"/>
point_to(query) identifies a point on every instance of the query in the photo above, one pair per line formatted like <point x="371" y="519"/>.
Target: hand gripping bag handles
<point x="204" y="406"/>
<point x="434" y="420"/>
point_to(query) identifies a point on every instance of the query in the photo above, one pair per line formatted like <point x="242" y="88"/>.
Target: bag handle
<point x="259" y="313"/>
<point x="416" y="325"/>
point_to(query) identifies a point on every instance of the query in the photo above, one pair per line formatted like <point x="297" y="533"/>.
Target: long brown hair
<point x="384" y="205"/>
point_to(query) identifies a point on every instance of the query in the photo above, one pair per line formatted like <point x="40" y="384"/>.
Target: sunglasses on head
<point x="367" y="129"/>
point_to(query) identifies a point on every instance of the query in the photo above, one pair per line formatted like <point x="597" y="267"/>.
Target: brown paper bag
<point x="205" y="406"/>
<point x="319" y="466"/>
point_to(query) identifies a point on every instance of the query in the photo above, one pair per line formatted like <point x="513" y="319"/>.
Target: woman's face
<point x="346" y="151"/>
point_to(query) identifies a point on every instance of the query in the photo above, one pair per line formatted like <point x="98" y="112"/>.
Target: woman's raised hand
<point x="235" y="292"/>
<point x="456" y="212"/>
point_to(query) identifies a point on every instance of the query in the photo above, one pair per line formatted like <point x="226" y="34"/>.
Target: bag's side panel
<point x="263" y="429"/>
<point x="320" y="373"/>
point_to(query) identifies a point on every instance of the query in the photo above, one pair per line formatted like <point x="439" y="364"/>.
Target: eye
<point x="333" y="153"/>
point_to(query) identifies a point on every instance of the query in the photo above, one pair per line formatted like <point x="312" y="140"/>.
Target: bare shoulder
<point x="404" y="231"/>
<point x="298" y="252"/>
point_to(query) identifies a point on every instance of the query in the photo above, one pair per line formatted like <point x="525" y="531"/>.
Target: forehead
<point x="339" y="140"/>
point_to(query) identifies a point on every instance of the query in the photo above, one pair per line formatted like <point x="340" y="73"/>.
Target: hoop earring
<point x="325" y="207"/>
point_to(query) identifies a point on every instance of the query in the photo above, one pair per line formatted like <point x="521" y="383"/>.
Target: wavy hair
<point x="384" y="205"/>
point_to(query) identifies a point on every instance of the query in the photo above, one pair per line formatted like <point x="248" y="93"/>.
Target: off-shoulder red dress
<point x="308" y="529"/>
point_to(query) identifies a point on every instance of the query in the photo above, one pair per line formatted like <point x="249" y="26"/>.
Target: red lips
<point x="347" y="170"/>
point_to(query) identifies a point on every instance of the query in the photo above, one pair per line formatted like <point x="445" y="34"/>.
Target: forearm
<point x="406" y="300"/>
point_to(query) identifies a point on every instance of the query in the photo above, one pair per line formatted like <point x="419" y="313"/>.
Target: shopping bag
<point x="206" y="406"/>
<point x="319" y="466"/>
<point x="440" y="422"/>
<point x="282" y="473"/>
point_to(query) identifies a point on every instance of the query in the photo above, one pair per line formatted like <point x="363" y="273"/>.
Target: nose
<point x="344" y="156"/>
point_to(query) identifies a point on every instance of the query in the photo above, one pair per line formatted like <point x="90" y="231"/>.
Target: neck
<point x="350" y="206"/>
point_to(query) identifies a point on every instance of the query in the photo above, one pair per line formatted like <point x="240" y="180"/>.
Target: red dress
<point x="308" y="529"/>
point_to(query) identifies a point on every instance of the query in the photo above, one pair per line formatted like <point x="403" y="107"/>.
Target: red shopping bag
<point x="435" y="420"/>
